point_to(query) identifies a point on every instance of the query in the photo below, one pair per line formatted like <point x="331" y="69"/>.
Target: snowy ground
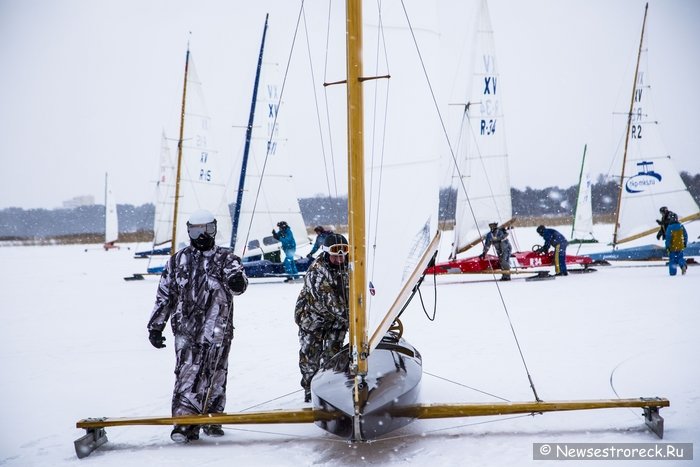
<point x="73" y="345"/>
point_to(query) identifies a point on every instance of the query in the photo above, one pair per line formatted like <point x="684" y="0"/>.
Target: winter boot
<point x="505" y="278"/>
<point x="684" y="268"/>
<point x="185" y="433"/>
<point x="213" y="430"/>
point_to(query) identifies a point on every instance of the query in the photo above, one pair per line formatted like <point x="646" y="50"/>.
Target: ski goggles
<point x="195" y="230"/>
<point x="339" y="249"/>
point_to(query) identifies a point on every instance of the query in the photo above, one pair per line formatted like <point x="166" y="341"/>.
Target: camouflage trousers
<point x="200" y="369"/>
<point x="316" y="348"/>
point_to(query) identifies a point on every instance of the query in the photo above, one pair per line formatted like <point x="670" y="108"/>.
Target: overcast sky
<point x="88" y="85"/>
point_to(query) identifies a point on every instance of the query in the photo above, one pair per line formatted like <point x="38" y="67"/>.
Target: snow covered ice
<point x="74" y="345"/>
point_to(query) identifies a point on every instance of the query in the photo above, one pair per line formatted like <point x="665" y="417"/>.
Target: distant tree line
<point x="16" y="223"/>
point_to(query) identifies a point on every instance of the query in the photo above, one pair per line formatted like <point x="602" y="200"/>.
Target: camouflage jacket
<point x="194" y="293"/>
<point x="323" y="301"/>
<point x="499" y="240"/>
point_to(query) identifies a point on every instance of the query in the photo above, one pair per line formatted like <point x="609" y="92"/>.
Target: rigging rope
<point x="454" y="158"/>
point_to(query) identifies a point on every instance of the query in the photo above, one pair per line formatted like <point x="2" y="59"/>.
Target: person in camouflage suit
<point x="196" y="292"/>
<point x="321" y="310"/>
<point x="498" y="237"/>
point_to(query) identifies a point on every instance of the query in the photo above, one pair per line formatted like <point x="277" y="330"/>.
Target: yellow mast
<point x="356" y="193"/>
<point x="629" y="123"/>
<point x="173" y="242"/>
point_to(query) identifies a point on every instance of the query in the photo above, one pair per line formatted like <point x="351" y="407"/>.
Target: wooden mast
<point x="359" y="349"/>
<point x="173" y="242"/>
<point x="629" y="124"/>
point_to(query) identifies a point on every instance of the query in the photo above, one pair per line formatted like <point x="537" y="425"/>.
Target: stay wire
<point x="465" y="386"/>
<point x="452" y="154"/>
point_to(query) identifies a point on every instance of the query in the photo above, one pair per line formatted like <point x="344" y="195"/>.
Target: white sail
<point x="480" y="145"/>
<point x="401" y="154"/>
<point x="204" y="172"/>
<point x="270" y="196"/>
<point x="650" y="179"/>
<point x="582" y="228"/>
<point x="165" y="195"/>
<point x="111" y="220"/>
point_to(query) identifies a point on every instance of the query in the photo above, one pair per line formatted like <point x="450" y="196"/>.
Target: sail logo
<point x="644" y="180"/>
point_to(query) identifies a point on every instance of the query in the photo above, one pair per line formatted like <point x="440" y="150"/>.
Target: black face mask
<point x="342" y="266"/>
<point x="203" y="243"/>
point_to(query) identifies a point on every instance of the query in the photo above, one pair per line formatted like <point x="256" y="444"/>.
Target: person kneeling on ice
<point x="196" y="292"/>
<point x="321" y="310"/>
<point x="498" y="237"/>
<point x="676" y="241"/>
<point x="558" y="241"/>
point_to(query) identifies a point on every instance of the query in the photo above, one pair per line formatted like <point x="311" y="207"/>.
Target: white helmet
<point x="201" y="216"/>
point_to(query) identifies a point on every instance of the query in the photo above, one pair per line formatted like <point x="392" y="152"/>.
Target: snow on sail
<point x="582" y="228"/>
<point x="648" y="180"/>
<point x="203" y="172"/>
<point x="111" y="219"/>
<point x="269" y="193"/>
<point x="401" y="221"/>
<point x="481" y="144"/>
<point x="165" y="195"/>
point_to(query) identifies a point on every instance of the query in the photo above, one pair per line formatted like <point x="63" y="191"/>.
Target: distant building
<point x="86" y="200"/>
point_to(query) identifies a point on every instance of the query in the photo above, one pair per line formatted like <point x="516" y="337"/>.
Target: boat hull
<point x="267" y="268"/>
<point x="393" y="384"/>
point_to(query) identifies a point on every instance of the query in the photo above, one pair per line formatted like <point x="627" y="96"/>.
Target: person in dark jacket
<point x="664" y="222"/>
<point x="498" y="237"/>
<point x="553" y="238"/>
<point x="196" y="293"/>
<point x="289" y="246"/>
<point x="321" y="234"/>
<point x="322" y="309"/>
<point x="676" y="241"/>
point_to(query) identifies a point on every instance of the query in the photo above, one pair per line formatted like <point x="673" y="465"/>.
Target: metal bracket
<point x="654" y="421"/>
<point x="93" y="439"/>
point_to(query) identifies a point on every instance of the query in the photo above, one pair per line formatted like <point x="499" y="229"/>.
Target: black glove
<point x="482" y="256"/>
<point x="658" y="222"/>
<point x="310" y="256"/>
<point x="237" y="283"/>
<point x="156" y="338"/>
<point x="659" y="235"/>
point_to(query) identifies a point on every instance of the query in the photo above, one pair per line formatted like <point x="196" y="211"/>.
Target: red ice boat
<point x="490" y="264"/>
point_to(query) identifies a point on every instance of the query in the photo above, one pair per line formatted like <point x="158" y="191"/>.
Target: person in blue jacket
<point x="553" y="238"/>
<point x="676" y="241"/>
<point x="321" y="234"/>
<point x="289" y="246"/>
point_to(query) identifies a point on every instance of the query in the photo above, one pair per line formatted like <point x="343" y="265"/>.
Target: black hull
<point x="392" y="382"/>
